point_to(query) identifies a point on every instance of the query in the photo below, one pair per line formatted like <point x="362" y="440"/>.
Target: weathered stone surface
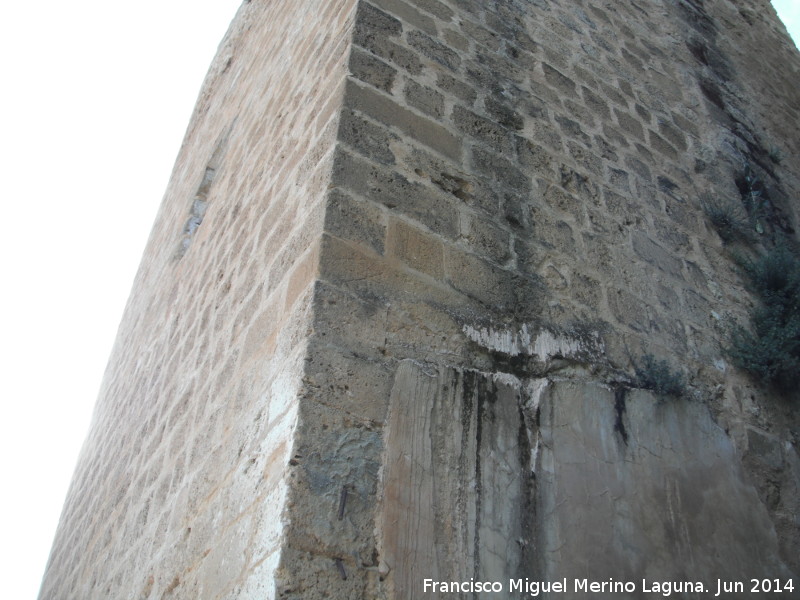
<point x="607" y="458"/>
<point x="418" y="249"/>
<point x="434" y="50"/>
<point x="367" y="138"/>
<point x="654" y="254"/>
<point x="394" y="191"/>
<point x="372" y="70"/>
<point x="425" y="99"/>
<point x="482" y="129"/>
<point x="460" y="481"/>
<point x="454" y="485"/>
<point x="436" y="8"/>
<point x="500" y="170"/>
<point x="373" y="30"/>
<point x="461" y="90"/>
<point x="357" y="220"/>
<point x="183" y="480"/>
<point x="389" y="318"/>
<point x="387" y="111"/>
<point x="560" y="81"/>
<point x="408" y="14"/>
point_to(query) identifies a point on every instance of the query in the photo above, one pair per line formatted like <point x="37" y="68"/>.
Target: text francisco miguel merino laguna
<point x="665" y="588"/>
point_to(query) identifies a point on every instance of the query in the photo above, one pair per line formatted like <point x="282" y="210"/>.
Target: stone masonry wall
<point x="518" y="194"/>
<point x="180" y="487"/>
<point x="387" y="324"/>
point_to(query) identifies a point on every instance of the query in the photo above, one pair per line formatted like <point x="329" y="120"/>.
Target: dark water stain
<point x="619" y="408"/>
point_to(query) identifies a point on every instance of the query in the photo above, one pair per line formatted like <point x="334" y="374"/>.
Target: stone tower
<point x="416" y="265"/>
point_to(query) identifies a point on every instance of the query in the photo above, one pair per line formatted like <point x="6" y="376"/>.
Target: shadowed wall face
<point x="516" y="196"/>
<point x="495" y="479"/>
<point x="387" y="323"/>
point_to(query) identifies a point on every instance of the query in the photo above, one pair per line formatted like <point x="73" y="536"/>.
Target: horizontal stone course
<point x="396" y="192"/>
<point x="480" y="35"/>
<point x="363" y="395"/>
<point x="451" y="85"/>
<point x="496" y="288"/>
<point x="585" y="159"/>
<point x="628" y="310"/>
<point x="435" y="8"/>
<point x="372" y="70"/>
<point x="424" y="98"/>
<point x="561" y="82"/>
<point x="629" y="124"/>
<point x="654" y="254"/>
<point x="455" y="40"/>
<point x="581" y="113"/>
<point x="499" y="169"/>
<point x="639" y="167"/>
<point x="573" y="129"/>
<point x="370" y="21"/>
<point x="504" y="114"/>
<point x="435" y="51"/>
<point x="482" y="129"/>
<point x="373" y="278"/>
<point x="661" y="145"/>
<point x="369" y="139"/>
<point x="595" y="103"/>
<point x="354" y="219"/>
<point x="419" y="250"/>
<point x="374" y="30"/>
<point x="388" y="111"/>
<point x="486" y="239"/>
<point x="645" y="115"/>
<point x="535" y="159"/>
<point x="408" y="14"/>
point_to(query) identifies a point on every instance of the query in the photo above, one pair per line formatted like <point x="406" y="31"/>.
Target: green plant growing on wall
<point x="727" y="217"/>
<point x="776" y="155"/>
<point x="770" y="348"/>
<point x="753" y="199"/>
<point x="657" y="376"/>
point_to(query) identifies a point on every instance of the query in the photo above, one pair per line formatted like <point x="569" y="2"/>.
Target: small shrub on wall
<point x="770" y="348"/>
<point x="657" y="376"/>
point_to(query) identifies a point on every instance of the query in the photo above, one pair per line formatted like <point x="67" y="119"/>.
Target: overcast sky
<point x="96" y="99"/>
<point x="95" y="102"/>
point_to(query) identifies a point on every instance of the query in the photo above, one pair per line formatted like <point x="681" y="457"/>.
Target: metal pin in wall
<point x="342" y="502"/>
<point x="340" y="566"/>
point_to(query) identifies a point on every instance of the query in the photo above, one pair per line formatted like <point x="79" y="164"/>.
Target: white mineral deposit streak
<point x="513" y="343"/>
<point x="505" y="341"/>
<point x="533" y="392"/>
<point x="507" y="379"/>
<point x="547" y="345"/>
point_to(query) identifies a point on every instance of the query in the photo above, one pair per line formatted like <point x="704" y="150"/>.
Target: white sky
<point x="789" y="12"/>
<point x="95" y="102"/>
<point x="97" y="96"/>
